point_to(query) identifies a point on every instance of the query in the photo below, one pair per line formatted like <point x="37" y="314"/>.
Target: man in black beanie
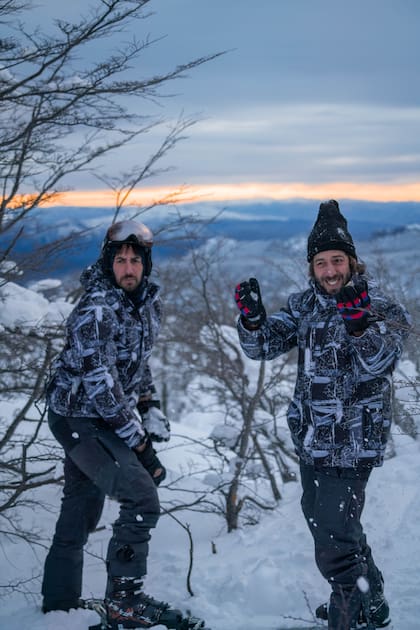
<point x="349" y="337"/>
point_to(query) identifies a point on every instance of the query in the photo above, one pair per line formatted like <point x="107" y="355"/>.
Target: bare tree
<point x="29" y="456"/>
<point x="59" y="113"/>
<point x="246" y="455"/>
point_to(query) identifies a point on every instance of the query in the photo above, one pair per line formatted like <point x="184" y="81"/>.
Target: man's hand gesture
<point x="248" y="300"/>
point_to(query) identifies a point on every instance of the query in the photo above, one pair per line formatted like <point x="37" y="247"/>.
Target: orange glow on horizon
<point x="243" y="192"/>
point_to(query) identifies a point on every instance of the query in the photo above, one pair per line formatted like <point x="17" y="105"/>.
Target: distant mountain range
<point x="247" y="222"/>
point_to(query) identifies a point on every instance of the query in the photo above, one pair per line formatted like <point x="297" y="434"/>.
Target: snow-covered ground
<point x="261" y="577"/>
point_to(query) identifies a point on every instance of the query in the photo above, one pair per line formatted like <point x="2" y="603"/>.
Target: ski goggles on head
<point x="129" y="232"/>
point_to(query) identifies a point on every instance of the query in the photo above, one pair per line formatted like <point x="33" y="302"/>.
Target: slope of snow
<point x="261" y="577"/>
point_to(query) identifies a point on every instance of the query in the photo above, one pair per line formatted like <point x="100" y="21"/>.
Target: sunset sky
<point x="313" y="99"/>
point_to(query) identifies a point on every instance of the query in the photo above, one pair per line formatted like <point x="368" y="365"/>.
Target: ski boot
<point x="130" y="607"/>
<point x="378" y="613"/>
<point x="140" y="611"/>
<point x="322" y="613"/>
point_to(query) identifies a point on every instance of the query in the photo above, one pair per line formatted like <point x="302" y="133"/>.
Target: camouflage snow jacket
<point x="340" y="413"/>
<point x="103" y="368"/>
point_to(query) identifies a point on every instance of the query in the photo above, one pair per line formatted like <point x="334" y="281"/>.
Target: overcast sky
<point x="311" y="92"/>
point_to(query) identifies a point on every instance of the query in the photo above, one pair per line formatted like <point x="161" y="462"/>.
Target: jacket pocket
<point x="374" y="435"/>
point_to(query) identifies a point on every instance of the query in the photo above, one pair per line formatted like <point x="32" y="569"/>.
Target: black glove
<point x="353" y="303"/>
<point x="151" y="462"/>
<point x="248" y="300"/>
<point x="154" y="421"/>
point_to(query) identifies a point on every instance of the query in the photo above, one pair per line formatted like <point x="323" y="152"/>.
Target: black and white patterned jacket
<point x="340" y="414"/>
<point x="103" y="369"/>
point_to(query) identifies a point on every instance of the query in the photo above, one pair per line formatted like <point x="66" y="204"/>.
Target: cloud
<point x="309" y="91"/>
<point x="312" y="142"/>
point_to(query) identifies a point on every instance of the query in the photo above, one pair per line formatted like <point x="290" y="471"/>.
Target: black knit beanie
<point x="330" y="231"/>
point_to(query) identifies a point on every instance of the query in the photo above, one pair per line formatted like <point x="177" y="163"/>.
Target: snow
<point x="45" y="285"/>
<point x="24" y="307"/>
<point x="261" y="577"/>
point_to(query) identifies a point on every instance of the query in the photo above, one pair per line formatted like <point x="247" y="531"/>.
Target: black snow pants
<point x="332" y="502"/>
<point x="97" y="464"/>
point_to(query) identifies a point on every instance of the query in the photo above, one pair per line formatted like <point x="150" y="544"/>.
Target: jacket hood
<point x="93" y="277"/>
